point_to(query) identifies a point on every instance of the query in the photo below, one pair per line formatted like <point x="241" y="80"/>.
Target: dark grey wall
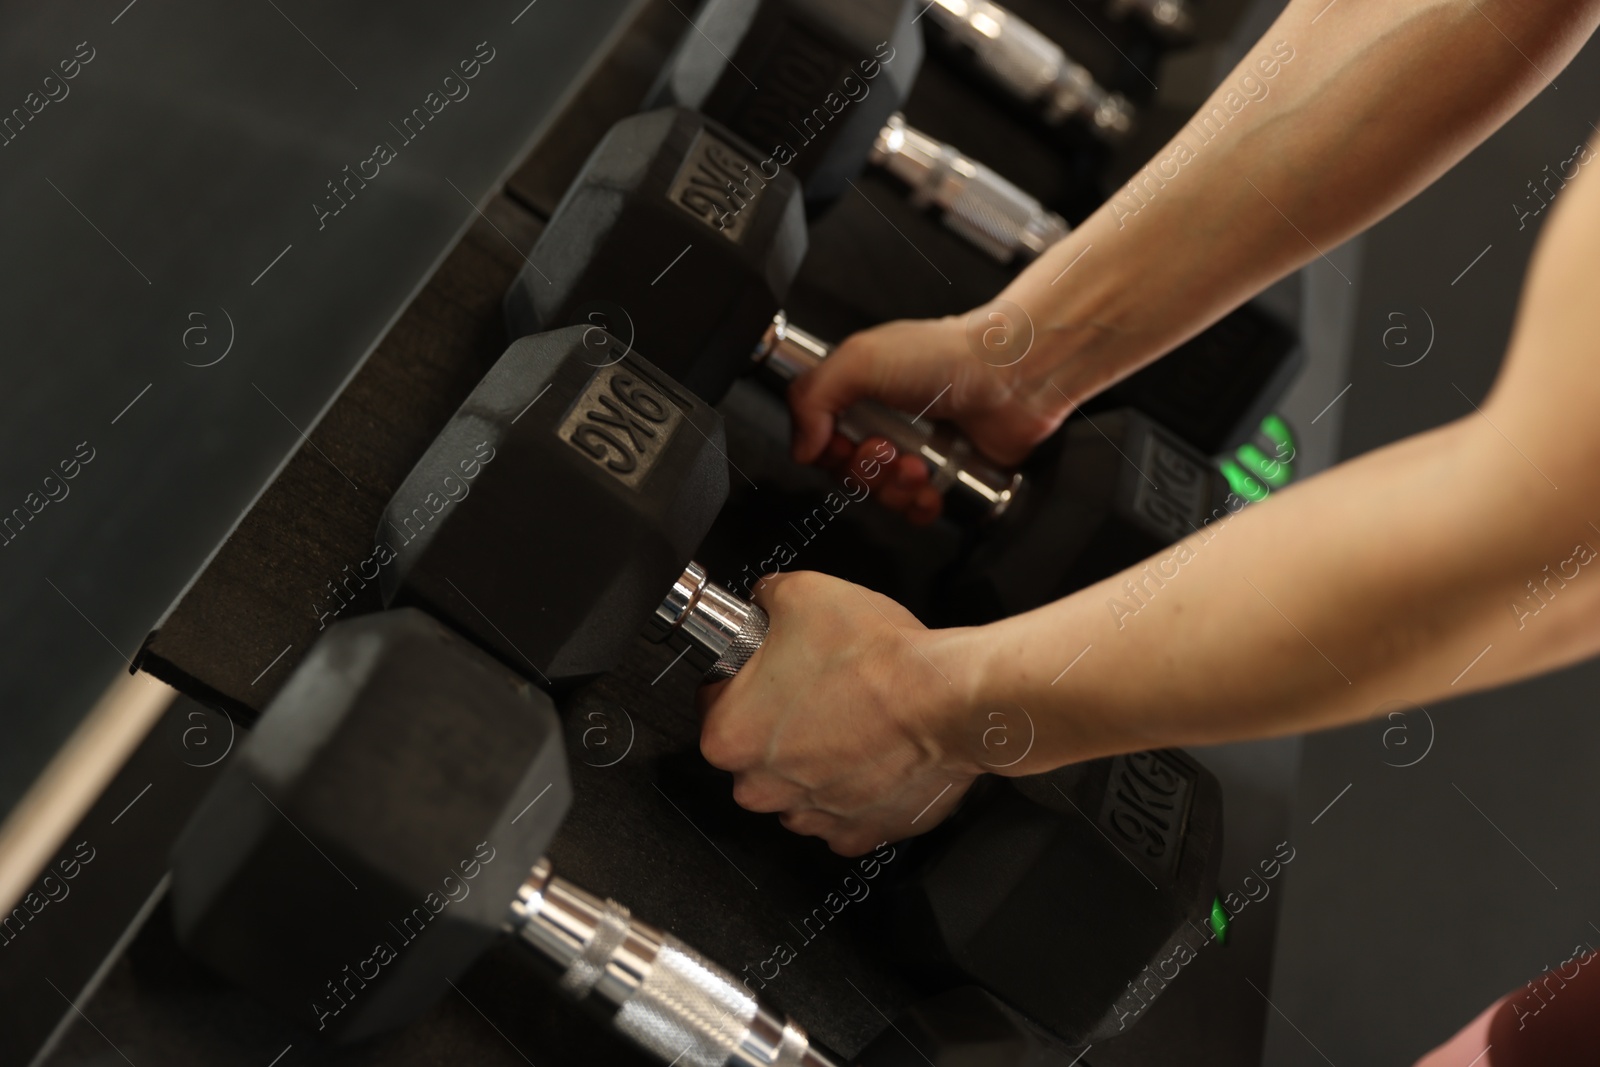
<point x="1428" y="891"/>
<point x="137" y="215"/>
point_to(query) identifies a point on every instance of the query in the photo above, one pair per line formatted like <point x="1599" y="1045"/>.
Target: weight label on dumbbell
<point x="1146" y="811"/>
<point x="1175" y="504"/>
<point x="717" y="185"/>
<point x="622" y="421"/>
<point x="794" y="90"/>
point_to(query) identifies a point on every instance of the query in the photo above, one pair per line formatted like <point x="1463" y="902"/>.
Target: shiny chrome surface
<point x="1031" y="66"/>
<point x="788" y="351"/>
<point x="976" y="202"/>
<point x="670" y="1000"/>
<point x="717" y="630"/>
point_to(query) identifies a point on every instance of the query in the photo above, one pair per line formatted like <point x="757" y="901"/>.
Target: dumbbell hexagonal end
<point x="963" y="1027"/>
<point x="555" y="510"/>
<point x="677" y="237"/>
<point x="367" y="840"/>
<point x="818" y="77"/>
<point x="1071" y="895"/>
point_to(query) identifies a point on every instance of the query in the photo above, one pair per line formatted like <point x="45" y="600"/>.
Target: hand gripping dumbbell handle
<point x="717" y="630"/>
<point x="670" y="1000"/>
<point x="1030" y="66"/>
<point x="978" y="203"/>
<point x="956" y="467"/>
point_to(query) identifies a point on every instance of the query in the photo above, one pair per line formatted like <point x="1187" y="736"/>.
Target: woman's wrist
<point x="1104" y="302"/>
<point x="961" y="721"/>
<point x="1080" y="319"/>
<point x="944" y="709"/>
<point x="1010" y="681"/>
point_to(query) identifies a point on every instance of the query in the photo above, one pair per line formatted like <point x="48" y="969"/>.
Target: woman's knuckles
<point x="726" y="746"/>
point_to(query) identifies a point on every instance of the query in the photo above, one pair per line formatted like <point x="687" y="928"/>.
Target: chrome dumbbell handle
<point x="957" y="469"/>
<point x="717" y="630"/>
<point x="669" y="999"/>
<point x="975" y="202"/>
<point x="1032" y="67"/>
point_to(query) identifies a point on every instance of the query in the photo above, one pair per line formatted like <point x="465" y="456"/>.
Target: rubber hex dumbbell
<point x="1037" y="71"/>
<point x="1061" y="892"/>
<point x="810" y="61"/>
<point x="961" y="1027"/>
<point x="655" y="190"/>
<point x="640" y="199"/>
<point x="595" y="477"/>
<point x="1106" y="492"/>
<point x="386" y="821"/>
<point x="832" y="77"/>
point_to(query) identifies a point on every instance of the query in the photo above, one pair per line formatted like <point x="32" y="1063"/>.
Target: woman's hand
<point x="932" y="369"/>
<point x="851" y="720"/>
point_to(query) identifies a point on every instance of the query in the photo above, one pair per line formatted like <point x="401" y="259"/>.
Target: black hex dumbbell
<point x="657" y="186"/>
<point x="1055" y="892"/>
<point x="605" y="475"/>
<point x="655" y="190"/>
<point x="1106" y="492"/>
<point x="595" y="477"/>
<point x="830" y="77"/>
<point x="386" y="821"/>
<point x="806" y="75"/>
<point x="962" y="1027"/>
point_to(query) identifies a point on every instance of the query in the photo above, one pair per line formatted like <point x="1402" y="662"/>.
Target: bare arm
<point x="1462" y="558"/>
<point x="1382" y="579"/>
<point x="1340" y="114"/>
<point x="1368" y="105"/>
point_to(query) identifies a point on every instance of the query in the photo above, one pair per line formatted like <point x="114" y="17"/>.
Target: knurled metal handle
<point x="747" y="640"/>
<point x="717" y="631"/>
<point x="1032" y="67"/>
<point x="670" y="1000"/>
<point x="976" y="202"/>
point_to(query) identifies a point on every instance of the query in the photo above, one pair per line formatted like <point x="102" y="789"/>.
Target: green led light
<point x="1242" y="483"/>
<point x="1219" y="921"/>
<point x="1274" y="429"/>
<point x="1269" y="470"/>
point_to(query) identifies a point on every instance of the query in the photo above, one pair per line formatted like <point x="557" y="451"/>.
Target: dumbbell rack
<point x="657" y="827"/>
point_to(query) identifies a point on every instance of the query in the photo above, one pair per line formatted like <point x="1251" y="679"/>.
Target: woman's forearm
<point x="1452" y="561"/>
<point x="1382" y="580"/>
<point x="1340" y="113"/>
